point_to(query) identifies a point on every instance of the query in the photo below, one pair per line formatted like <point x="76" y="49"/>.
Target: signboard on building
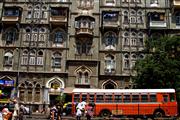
<point x="6" y="82"/>
<point x="1" y="82"/>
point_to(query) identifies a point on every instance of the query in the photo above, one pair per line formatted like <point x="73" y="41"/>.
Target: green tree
<point x="161" y="66"/>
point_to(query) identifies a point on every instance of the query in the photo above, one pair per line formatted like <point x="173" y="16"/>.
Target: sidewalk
<point x="45" y="117"/>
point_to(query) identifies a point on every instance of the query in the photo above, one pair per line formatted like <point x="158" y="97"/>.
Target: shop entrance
<point x="53" y="99"/>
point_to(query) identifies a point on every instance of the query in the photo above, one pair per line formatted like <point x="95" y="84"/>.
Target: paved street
<point x="44" y="117"/>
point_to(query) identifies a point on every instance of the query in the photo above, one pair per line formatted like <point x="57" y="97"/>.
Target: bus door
<point x="166" y="103"/>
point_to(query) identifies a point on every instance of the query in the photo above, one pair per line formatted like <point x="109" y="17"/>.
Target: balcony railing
<point x="58" y="19"/>
<point x="10" y="18"/>
<point x="110" y="24"/>
<point x="158" y="24"/>
<point x="84" y="31"/>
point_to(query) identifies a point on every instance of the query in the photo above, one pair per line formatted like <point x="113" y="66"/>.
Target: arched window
<point x="37" y="12"/>
<point x="109" y="64"/>
<point x="126" y="39"/>
<point x="35" y="35"/>
<point x="22" y="90"/>
<point x="56" y="60"/>
<point x="84" y="47"/>
<point x="133" y="39"/>
<point x="140" y="17"/>
<point x="29" y="12"/>
<point x="83" y="76"/>
<point x="8" y="57"/>
<point x="37" y="94"/>
<point x="126" y="17"/>
<point x="29" y="92"/>
<point x="44" y="12"/>
<point x="32" y="57"/>
<point x="24" y="60"/>
<point x="28" y="34"/>
<point x="110" y="39"/>
<point x="10" y="36"/>
<point x="86" y="76"/>
<point x="80" y="76"/>
<point x="42" y="33"/>
<point x="177" y="18"/>
<point x="59" y="37"/>
<point x="133" y="60"/>
<point x="126" y="61"/>
<point x="40" y="58"/>
<point x="141" y="39"/>
<point x="133" y="16"/>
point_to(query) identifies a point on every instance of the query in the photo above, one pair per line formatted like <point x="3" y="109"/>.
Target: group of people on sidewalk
<point x="55" y="112"/>
<point x="17" y="113"/>
<point x="84" y="110"/>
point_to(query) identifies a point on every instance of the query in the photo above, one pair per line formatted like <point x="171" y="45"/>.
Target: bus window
<point x="152" y="98"/>
<point x="108" y="98"/>
<point x="117" y="98"/>
<point x="76" y="98"/>
<point x="144" y="98"/>
<point x="126" y="98"/>
<point x="172" y="97"/>
<point x="91" y="98"/>
<point x="84" y="97"/>
<point x="135" y="98"/>
<point x="99" y="98"/>
<point x="165" y="98"/>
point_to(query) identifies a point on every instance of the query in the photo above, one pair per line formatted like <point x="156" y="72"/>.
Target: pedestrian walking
<point x="21" y="112"/>
<point x="6" y="114"/>
<point x="16" y="110"/>
<point x="60" y="110"/>
<point x="53" y="113"/>
<point x="89" y="111"/>
<point x="78" y="114"/>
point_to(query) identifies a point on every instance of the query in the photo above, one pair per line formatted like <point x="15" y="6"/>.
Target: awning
<point x="68" y="90"/>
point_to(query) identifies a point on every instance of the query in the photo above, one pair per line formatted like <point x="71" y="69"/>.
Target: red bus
<point x="128" y="102"/>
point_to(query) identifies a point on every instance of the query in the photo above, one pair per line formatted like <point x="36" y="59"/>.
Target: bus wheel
<point x="158" y="114"/>
<point x="105" y="113"/>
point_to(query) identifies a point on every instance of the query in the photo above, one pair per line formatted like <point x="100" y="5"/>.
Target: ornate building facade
<point x="48" y="47"/>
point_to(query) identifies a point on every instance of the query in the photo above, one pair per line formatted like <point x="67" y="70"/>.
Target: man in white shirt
<point x="16" y="110"/>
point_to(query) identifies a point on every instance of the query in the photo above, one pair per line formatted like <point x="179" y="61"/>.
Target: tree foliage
<point x="161" y="66"/>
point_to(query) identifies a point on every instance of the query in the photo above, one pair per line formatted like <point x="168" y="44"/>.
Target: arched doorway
<point x="109" y="84"/>
<point x="56" y="87"/>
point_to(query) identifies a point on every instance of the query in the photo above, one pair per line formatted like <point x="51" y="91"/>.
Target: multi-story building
<point x="51" y="46"/>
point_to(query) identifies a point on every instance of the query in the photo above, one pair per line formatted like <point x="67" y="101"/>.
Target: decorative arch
<point x="109" y="84"/>
<point x="6" y="78"/>
<point x="8" y="57"/>
<point x="30" y="90"/>
<point x="83" y="68"/>
<point x="58" y="36"/>
<point x="83" y="74"/>
<point x="55" y="80"/>
<point x="110" y="40"/>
